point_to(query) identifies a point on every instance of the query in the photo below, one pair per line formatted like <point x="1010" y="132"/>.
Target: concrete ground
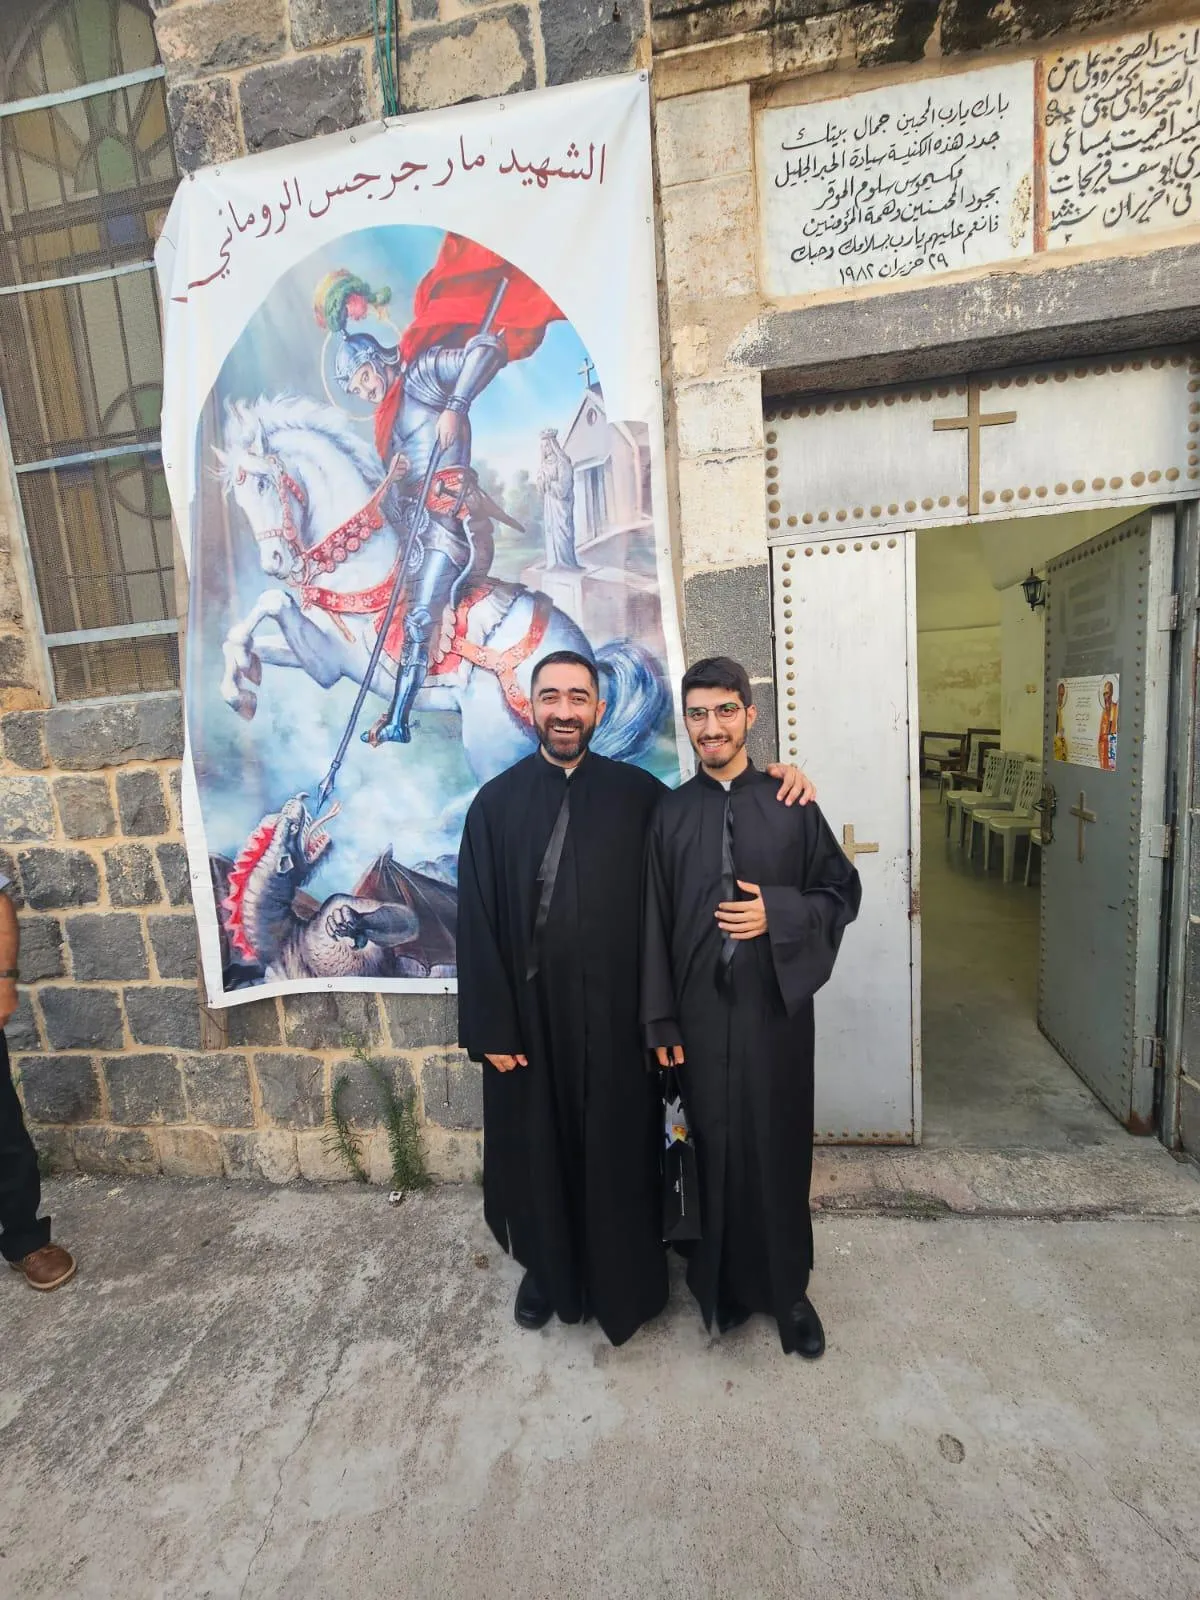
<point x="305" y="1393"/>
<point x="990" y="1078"/>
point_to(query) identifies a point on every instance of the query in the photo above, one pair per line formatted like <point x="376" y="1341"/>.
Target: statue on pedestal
<point x="556" y="482"/>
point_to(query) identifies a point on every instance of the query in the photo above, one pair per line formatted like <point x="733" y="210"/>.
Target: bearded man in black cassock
<point x="746" y="903"/>
<point x="549" y="916"/>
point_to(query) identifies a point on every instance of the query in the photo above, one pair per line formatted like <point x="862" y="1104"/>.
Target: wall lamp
<point x="1034" y="590"/>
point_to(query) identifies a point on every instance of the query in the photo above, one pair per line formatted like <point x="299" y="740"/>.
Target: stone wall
<point x="248" y="75"/>
<point x="714" y="61"/>
<point x="121" y="1067"/>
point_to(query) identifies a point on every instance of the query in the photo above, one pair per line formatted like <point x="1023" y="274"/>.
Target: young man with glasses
<point x="746" y="903"/>
<point x="549" y="907"/>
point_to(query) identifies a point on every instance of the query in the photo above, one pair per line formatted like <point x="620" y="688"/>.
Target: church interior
<point x="990" y="1078"/>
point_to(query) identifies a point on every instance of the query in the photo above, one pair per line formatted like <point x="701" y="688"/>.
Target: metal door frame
<point x="1180" y="782"/>
<point x="1179" y="932"/>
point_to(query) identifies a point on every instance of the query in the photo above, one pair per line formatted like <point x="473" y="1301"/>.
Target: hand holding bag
<point x="681" y="1175"/>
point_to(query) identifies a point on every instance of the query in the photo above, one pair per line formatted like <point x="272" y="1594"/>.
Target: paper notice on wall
<point x="1085" y="721"/>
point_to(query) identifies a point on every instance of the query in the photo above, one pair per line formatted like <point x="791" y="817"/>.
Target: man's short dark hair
<point x="566" y="658"/>
<point x="717" y="672"/>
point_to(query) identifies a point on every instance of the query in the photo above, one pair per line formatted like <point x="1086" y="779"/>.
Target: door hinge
<point x="1168" y="613"/>
<point x="1152" y="1052"/>
<point x="1161" y="839"/>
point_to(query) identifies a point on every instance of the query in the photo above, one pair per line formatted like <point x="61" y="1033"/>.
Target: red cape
<point x="449" y="306"/>
<point x="453" y="297"/>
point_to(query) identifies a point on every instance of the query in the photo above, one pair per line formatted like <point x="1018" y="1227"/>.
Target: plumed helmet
<point x="357" y="350"/>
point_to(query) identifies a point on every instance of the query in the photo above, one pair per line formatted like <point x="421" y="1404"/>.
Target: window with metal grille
<point x="87" y="171"/>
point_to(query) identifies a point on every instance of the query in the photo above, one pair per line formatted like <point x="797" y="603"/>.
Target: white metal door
<point x="845" y="655"/>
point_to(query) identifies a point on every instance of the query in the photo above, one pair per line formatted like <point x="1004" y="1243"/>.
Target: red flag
<point x="453" y="297"/>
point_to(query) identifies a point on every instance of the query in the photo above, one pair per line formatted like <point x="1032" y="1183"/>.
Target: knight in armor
<point x="472" y="313"/>
<point x="423" y="405"/>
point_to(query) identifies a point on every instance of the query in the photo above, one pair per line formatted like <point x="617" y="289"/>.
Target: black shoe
<point x="731" y="1317"/>
<point x="808" y="1336"/>
<point x="532" y="1310"/>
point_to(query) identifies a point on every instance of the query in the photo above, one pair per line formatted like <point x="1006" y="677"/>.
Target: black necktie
<point x="728" y="891"/>
<point x="547" y="873"/>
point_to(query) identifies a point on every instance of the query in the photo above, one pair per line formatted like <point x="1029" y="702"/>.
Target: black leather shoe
<point x="731" y="1317"/>
<point x="808" y="1336"/>
<point x="532" y="1310"/>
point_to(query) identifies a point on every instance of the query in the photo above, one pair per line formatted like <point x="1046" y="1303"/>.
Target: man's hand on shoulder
<point x="795" y="789"/>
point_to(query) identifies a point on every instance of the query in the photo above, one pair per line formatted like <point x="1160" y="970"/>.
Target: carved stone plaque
<point x="1121" y="138"/>
<point x="912" y="181"/>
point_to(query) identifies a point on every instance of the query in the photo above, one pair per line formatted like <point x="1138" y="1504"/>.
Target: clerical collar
<point x="566" y="773"/>
<point x="742" y="778"/>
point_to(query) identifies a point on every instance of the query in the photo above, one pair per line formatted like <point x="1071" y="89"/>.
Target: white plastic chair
<point x="993" y="771"/>
<point x="1004" y="802"/>
<point x="1012" y="825"/>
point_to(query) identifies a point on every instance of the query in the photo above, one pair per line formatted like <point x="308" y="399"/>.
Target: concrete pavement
<point x="305" y="1393"/>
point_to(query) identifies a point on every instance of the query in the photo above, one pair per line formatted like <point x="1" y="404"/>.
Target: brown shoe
<point x="47" y="1268"/>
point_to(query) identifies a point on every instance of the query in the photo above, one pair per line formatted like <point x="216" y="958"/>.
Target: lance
<point x="418" y="521"/>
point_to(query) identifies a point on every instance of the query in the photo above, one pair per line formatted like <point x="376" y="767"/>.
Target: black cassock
<point x="571" y="1141"/>
<point x="743" y="1013"/>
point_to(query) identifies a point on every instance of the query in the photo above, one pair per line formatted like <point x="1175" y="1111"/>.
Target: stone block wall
<point x="247" y="75"/>
<point x="713" y="62"/>
<point x="120" y="1066"/>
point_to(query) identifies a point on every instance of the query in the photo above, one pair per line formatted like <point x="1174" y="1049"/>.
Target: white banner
<point x="413" y="437"/>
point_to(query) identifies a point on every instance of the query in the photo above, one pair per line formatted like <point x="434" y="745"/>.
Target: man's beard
<point x="570" y="752"/>
<point x="717" y="760"/>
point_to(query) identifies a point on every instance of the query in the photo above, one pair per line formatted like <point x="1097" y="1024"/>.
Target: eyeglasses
<point x="725" y="712"/>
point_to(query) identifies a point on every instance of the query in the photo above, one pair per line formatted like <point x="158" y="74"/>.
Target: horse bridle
<point x="287" y="490"/>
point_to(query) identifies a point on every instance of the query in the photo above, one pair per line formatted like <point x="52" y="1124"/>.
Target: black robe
<point x="748" y="1046"/>
<point x="571" y="1167"/>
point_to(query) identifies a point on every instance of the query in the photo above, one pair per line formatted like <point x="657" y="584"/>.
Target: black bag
<point x="681" y="1176"/>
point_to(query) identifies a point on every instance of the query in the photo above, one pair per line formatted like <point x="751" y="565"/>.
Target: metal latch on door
<point x="1045" y="808"/>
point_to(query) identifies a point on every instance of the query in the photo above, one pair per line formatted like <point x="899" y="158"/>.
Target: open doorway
<point x="990" y="1077"/>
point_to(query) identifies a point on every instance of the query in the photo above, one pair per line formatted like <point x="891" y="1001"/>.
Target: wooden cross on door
<point x="974" y="421"/>
<point x="1085" y="816"/>
<point x="852" y="849"/>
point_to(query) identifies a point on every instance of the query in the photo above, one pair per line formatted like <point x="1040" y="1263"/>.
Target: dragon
<point x="397" y="920"/>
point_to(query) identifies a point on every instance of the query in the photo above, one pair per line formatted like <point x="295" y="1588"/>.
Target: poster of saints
<point x="413" y="436"/>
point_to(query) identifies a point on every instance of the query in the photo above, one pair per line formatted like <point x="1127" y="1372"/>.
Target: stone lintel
<point x="1002" y="320"/>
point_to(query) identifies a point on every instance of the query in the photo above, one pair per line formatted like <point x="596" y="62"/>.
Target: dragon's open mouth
<point x="316" y="834"/>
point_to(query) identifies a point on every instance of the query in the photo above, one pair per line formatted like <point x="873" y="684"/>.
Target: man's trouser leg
<point x="20" y="1186"/>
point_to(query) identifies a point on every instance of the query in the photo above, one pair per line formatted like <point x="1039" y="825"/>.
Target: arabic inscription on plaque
<point x="907" y="182"/>
<point x="1121" y="124"/>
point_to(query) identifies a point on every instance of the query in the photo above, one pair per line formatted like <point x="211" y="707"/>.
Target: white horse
<point x="311" y="491"/>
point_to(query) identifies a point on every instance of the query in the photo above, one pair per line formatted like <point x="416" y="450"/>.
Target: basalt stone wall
<point x="248" y="75"/>
<point x="120" y="1065"/>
